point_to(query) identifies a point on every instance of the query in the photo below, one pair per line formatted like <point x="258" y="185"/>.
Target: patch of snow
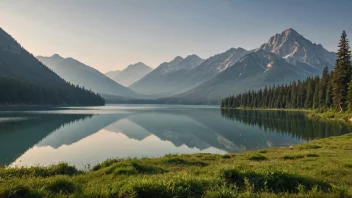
<point x="270" y="65"/>
<point x="227" y="63"/>
<point x="288" y="56"/>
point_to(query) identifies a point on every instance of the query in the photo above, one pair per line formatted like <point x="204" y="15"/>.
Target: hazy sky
<point x="111" y="34"/>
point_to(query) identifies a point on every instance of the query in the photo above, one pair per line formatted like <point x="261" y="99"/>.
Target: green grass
<point x="331" y="115"/>
<point x="321" y="168"/>
<point x="257" y="157"/>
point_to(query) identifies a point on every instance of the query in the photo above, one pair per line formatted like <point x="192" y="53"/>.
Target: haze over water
<point x="89" y="135"/>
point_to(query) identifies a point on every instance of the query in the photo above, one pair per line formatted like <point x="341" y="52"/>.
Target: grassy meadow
<point x="321" y="168"/>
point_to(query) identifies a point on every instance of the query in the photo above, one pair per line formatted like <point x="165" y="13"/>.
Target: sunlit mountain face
<point x="87" y="136"/>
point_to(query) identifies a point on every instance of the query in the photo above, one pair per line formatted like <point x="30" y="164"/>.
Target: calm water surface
<point x="89" y="135"/>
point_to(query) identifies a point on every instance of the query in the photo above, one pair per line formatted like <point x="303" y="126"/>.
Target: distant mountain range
<point x="112" y="74"/>
<point x="252" y="71"/>
<point x="130" y="74"/>
<point x="85" y="76"/>
<point x="166" y="79"/>
<point x="284" y="58"/>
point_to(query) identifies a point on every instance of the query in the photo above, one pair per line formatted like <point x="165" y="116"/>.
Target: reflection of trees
<point x="18" y="136"/>
<point x="297" y="124"/>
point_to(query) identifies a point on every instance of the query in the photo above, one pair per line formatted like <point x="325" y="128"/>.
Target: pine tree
<point x="328" y="98"/>
<point x="349" y="96"/>
<point x="308" y="103"/>
<point x="323" y="84"/>
<point x="223" y="103"/>
<point x="342" y="73"/>
<point x="316" y="103"/>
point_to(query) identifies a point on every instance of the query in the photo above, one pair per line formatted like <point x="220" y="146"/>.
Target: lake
<point x="85" y="136"/>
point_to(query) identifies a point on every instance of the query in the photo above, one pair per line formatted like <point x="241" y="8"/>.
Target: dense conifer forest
<point x="331" y="90"/>
<point x="14" y="91"/>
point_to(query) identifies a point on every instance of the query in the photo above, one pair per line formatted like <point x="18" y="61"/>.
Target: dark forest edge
<point x="22" y="93"/>
<point x="328" y="96"/>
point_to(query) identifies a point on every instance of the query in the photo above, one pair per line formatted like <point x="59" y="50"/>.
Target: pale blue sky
<point x="110" y="34"/>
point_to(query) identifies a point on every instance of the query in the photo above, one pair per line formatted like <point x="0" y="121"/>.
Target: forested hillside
<point x="16" y="91"/>
<point x="25" y="80"/>
<point x="331" y="90"/>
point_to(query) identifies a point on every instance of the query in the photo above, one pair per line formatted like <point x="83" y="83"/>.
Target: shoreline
<point x="327" y="115"/>
<point x="319" y="168"/>
<point x="268" y="109"/>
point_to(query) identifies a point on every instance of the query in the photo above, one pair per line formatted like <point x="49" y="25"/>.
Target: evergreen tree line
<point x="17" y="91"/>
<point x="331" y="90"/>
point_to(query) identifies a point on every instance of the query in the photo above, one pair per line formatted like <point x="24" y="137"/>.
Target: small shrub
<point x="180" y="186"/>
<point x="348" y="165"/>
<point x="273" y="181"/>
<point x="59" y="169"/>
<point x="311" y="146"/>
<point x="125" y="171"/>
<point x="312" y="155"/>
<point x="180" y="161"/>
<point x="19" y="191"/>
<point x="292" y="157"/>
<point x="105" y="163"/>
<point x="143" y="168"/>
<point x="226" y="156"/>
<point x="263" y="151"/>
<point x="63" y="169"/>
<point x="205" y="156"/>
<point x="257" y="157"/>
<point x="61" y="185"/>
<point x="132" y="168"/>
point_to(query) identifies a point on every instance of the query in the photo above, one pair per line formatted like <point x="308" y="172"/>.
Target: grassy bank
<point x="332" y="115"/>
<point x="328" y="115"/>
<point x="321" y="168"/>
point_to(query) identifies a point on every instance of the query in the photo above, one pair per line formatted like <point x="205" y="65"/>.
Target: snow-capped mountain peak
<point x="296" y="49"/>
<point x="232" y="55"/>
<point x="179" y="63"/>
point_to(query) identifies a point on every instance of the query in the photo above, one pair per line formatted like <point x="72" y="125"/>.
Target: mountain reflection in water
<point x="81" y="139"/>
